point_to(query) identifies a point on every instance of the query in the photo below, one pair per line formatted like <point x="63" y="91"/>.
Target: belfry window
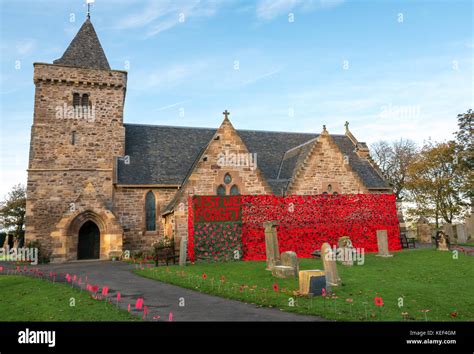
<point x="150" y="211"/>
<point x="85" y="102"/>
<point x="76" y="100"/>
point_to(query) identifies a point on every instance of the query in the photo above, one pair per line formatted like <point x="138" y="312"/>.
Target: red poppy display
<point x="305" y="223"/>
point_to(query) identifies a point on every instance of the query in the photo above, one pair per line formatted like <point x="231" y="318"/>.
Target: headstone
<point x="461" y="233"/>
<point x="288" y="267"/>
<point x="330" y="268"/>
<point x="423" y="230"/>
<point x="346" y="249"/>
<point x="290" y="259"/>
<point x="382" y="243"/>
<point x="271" y="244"/>
<point x="442" y="244"/>
<point x="316" y="285"/>
<point x="183" y="251"/>
<point x="305" y="279"/>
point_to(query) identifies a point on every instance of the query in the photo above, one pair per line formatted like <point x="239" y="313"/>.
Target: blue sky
<point x="393" y="69"/>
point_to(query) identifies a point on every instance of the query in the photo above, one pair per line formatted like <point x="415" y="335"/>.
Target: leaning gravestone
<point x="289" y="267"/>
<point x="271" y="244"/>
<point x="330" y="268"/>
<point x="382" y="243"/>
<point x="183" y="251"/>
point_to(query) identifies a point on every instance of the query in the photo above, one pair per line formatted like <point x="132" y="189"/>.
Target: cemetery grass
<point x="27" y="299"/>
<point x="430" y="285"/>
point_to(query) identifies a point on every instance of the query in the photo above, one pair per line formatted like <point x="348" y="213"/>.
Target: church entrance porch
<point x="87" y="234"/>
<point x="88" y="246"/>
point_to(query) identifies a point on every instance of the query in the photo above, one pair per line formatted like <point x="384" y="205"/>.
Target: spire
<point x="85" y="50"/>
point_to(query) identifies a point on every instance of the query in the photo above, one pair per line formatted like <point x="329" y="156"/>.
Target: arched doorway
<point x="88" y="246"/>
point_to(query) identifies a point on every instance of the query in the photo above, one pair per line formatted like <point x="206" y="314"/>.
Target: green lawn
<point x="29" y="299"/>
<point x="424" y="279"/>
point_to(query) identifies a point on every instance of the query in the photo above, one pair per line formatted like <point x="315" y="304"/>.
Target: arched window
<point x="150" y="211"/>
<point x="85" y="102"/>
<point x="76" y="100"/>
<point x="227" y="178"/>
<point x="221" y="190"/>
<point x="329" y="188"/>
<point x="234" y="190"/>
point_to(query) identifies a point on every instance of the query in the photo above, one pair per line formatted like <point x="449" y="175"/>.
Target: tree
<point x="393" y="159"/>
<point x="433" y="183"/>
<point x="13" y="209"/>
<point x="465" y="152"/>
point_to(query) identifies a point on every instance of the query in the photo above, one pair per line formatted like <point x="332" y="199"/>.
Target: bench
<point x="406" y="242"/>
<point x="166" y="254"/>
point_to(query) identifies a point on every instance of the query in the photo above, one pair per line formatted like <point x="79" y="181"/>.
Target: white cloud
<point x="269" y="9"/>
<point x="159" y="16"/>
<point x="170" y="77"/>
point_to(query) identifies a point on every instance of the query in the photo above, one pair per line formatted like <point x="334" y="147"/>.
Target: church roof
<point x="85" y="50"/>
<point x="165" y="154"/>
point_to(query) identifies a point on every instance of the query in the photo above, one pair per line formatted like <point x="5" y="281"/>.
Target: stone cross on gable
<point x="347" y="125"/>
<point x="226" y="114"/>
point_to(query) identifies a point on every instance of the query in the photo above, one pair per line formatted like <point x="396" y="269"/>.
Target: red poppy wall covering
<point x="305" y="223"/>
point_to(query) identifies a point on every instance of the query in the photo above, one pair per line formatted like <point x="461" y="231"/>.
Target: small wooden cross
<point x="226" y="114"/>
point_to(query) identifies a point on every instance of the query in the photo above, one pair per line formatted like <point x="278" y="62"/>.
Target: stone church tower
<point x="76" y="136"/>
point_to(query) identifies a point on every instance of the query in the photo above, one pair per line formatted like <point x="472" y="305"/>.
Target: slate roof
<point x="85" y="50"/>
<point x="166" y="154"/>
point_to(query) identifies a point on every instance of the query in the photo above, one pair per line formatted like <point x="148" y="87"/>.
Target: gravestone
<point x="423" y="230"/>
<point x="330" y="267"/>
<point x="461" y="232"/>
<point x="290" y="259"/>
<point x="305" y="277"/>
<point x="271" y="244"/>
<point x="346" y="251"/>
<point x="442" y="244"/>
<point x="289" y="266"/>
<point x="183" y="251"/>
<point x="382" y="243"/>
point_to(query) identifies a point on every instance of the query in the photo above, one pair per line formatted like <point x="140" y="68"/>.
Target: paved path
<point x="162" y="298"/>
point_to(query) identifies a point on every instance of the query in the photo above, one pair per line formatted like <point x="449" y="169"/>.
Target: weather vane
<point x="89" y="2"/>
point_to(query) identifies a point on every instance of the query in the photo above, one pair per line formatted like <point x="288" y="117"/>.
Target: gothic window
<point x="234" y="190"/>
<point x="150" y="211"/>
<point x="227" y="178"/>
<point x="76" y="100"/>
<point x="221" y="190"/>
<point x="329" y="188"/>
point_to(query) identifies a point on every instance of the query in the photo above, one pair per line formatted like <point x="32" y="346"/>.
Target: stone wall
<point x="324" y="166"/>
<point x="58" y="169"/>
<point x="129" y="206"/>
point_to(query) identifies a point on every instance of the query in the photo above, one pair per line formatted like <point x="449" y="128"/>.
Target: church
<point x="98" y="186"/>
